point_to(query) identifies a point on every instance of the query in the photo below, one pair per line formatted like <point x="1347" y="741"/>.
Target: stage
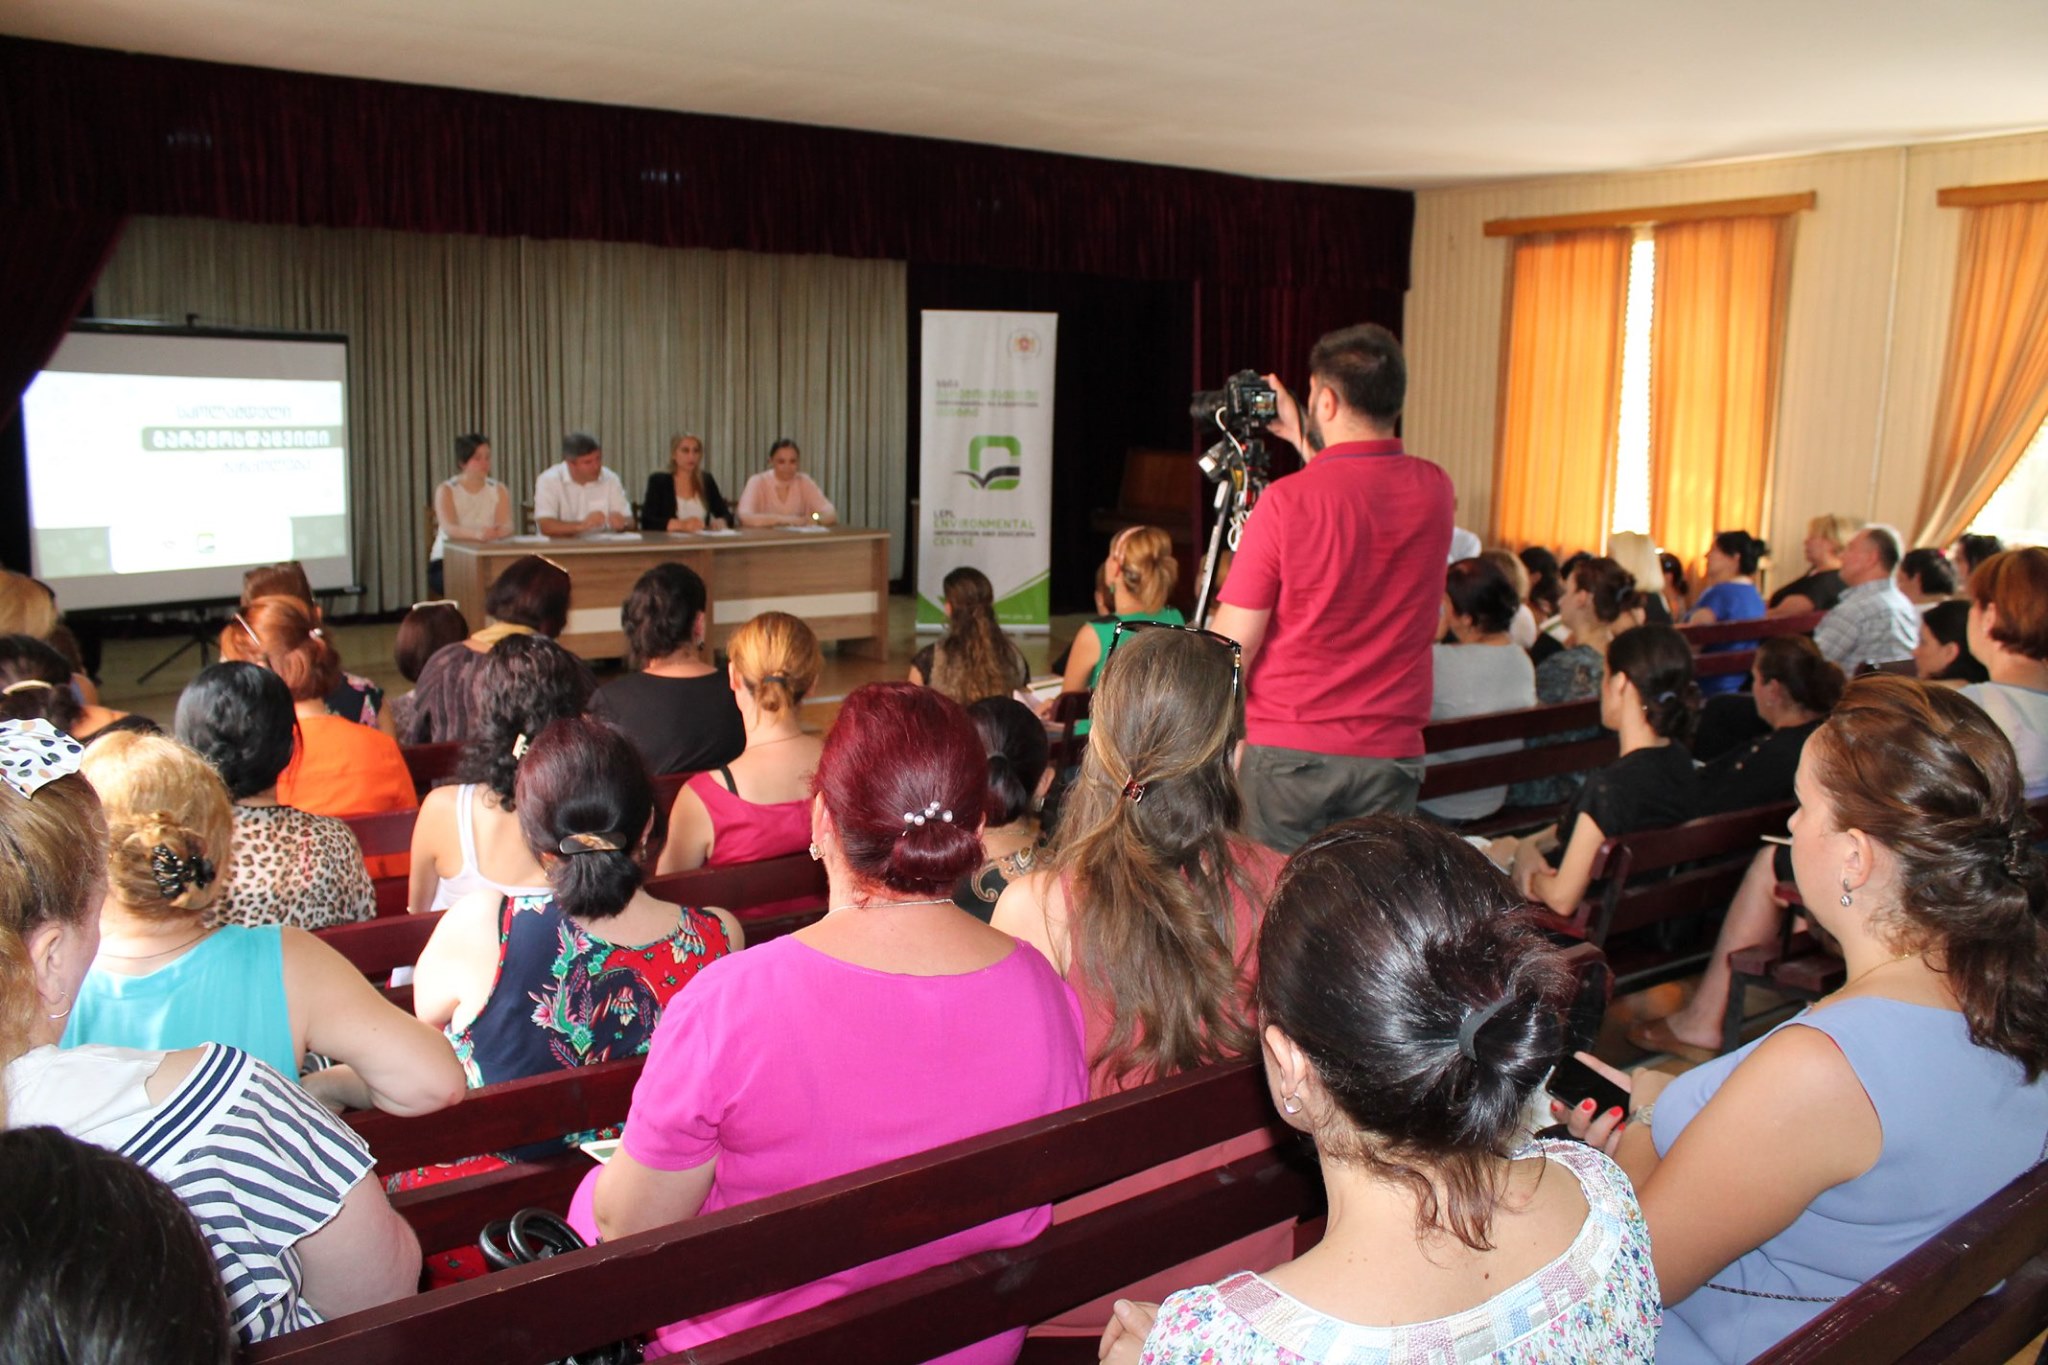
<point x="836" y="579"/>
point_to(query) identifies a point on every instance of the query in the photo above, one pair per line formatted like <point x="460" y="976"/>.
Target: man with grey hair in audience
<point x="1872" y="622"/>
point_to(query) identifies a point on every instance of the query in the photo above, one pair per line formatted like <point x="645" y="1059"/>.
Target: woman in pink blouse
<point x="896" y="1024"/>
<point x="781" y="496"/>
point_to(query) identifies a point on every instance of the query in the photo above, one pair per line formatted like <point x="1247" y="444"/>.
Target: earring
<point x="1291" y="1103"/>
<point x="66" y="1014"/>
<point x="1847" y="901"/>
<point x="815" y="855"/>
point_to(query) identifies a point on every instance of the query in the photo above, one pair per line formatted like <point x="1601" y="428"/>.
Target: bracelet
<point x="1643" y="1114"/>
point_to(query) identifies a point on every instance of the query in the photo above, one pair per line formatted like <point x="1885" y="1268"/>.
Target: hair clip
<point x="35" y="752"/>
<point x="249" y="631"/>
<point x="609" y="842"/>
<point x="913" y="818"/>
<point x="173" y="874"/>
<point x="1469" y="1026"/>
<point x="26" y="685"/>
<point x="1134" y="791"/>
<point x="315" y="633"/>
<point x="519" y="746"/>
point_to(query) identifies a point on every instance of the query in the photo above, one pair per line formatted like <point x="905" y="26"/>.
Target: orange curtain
<point x="1561" y="390"/>
<point x="1715" y="327"/>
<point x="1995" y="386"/>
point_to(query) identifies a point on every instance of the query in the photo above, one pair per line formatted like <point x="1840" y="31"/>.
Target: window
<point x="2018" y="512"/>
<point x="1632" y="430"/>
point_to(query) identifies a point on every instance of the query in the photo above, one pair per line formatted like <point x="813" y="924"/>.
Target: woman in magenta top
<point x="896" y="1024"/>
<point x="759" y="805"/>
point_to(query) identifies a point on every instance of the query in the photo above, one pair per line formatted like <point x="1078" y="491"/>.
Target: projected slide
<point x="160" y="466"/>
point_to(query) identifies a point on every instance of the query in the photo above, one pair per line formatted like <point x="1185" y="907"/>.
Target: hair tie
<point x="173" y="874"/>
<point x="1665" y="696"/>
<point x="27" y="685"/>
<point x="912" y="818"/>
<point x="315" y="633"/>
<point x="776" y="678"/>
<point x="35" y="752"/>
<point x="611" y="841"/>
<point x="1134" y="791"/>
<point x="1469" y="1026"/>
<point x="520" y="746"/>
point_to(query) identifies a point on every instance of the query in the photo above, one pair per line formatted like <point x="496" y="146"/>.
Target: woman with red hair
<point x="897" y="1023"/>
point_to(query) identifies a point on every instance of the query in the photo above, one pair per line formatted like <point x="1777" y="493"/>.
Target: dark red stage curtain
<point x="86" y="128"/>
<point x="52" y="258"/>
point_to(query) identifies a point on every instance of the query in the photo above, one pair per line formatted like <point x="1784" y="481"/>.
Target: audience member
<point x="1019" y="775"/>
<point x="757" y="806"/>
<point x="469" y="505"/>
<point x="1926" y="578"/>
<point x="1546" y="589"/>
<point x="354" y="697"/>
<point x="1943" y="654"/>
<point x="1337" y="661"/>
<point x="164" y="979"/>
<point x="1872" y="622"/>
<point x="677" y="709"/>
<point x="1793" y="689"/>
<point x="1821" y="586"/>
<point x="684" y="497"/>
<point x="427" y="629"/>
<point x="1900" y="1101"/>
<point x="1730" y="595"/>
<point x="531" y="597"/>
<point x="1637" y="554"/>
<point x="28" y="606"/>
<point x="975" y="658"/>
<point x="2008" y="631"/>
<point x="896" y="1024"/>
<point x="1677" y="592"/>
<point x="1410" y="1014"/>
<point x="1141" y="571"/>
<point x="1482" y="673"/>
<point x="1149" y="903"/>
<point x="1600" y="602"/>
<point x="340" y="767"/>
<point x="38" y="683"/>
<point x="467" y="837"/>
<point x="579" y="972"/>
<point x="1650" y="700"/>
<point x="580" y="496"/>
<point x="288" y="866"/>
<point x="1523" y="626"/>
<point x="1971" y="551"/>
<point x="781" y="495"/>
<point x="279" y="1187"/>
<point x="99" y="1262"/>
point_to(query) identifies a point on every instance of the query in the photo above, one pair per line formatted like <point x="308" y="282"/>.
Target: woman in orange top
<point x="338" y="767"/>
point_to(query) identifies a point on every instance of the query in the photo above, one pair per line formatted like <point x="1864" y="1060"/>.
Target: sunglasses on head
<point x="1135" y="627"/>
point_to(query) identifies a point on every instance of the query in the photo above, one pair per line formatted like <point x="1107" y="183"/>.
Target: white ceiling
<point x="1374" y="92"/>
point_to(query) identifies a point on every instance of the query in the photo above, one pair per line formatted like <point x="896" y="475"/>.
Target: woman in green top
<point x="1141" y="570"/>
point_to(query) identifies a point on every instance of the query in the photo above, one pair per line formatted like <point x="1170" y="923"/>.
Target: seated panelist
<point x="579" y="495"/>
<point x="782" y="496"/>
<point x="684" y="497"/>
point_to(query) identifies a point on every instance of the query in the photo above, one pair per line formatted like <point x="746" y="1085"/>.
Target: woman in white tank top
<point x="470" y="506"/>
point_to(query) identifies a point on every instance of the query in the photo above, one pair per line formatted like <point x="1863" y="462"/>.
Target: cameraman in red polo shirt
<point x="1333" y="597"/>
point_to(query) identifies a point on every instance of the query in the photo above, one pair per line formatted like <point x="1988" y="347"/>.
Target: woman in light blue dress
<point x="1782" y="1176"/>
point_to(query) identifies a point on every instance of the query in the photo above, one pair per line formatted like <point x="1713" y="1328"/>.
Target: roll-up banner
<point x="985" y="461"/>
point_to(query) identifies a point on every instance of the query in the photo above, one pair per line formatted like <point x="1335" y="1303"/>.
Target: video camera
<point x="1242" y="408"/>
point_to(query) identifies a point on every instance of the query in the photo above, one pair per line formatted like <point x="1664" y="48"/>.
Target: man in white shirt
<point x="580" y="495"/>
<point x="1872" y="622"/>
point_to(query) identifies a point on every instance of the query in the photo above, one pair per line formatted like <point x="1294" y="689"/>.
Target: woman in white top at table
<point x="472" y="506"/>
<point x="782" y="496"/>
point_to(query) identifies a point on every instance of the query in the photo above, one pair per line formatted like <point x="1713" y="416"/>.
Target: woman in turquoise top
<point x="1142" y="571"/>
<point x="1780" y="1177"/>
<point x="163" y="980"/>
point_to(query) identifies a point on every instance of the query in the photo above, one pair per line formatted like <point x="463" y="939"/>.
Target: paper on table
<point x="811" y="530"/>
<point x="720" y="531"/>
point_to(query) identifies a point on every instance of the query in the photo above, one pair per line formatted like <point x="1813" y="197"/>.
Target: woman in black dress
<point x="684" y="497"/>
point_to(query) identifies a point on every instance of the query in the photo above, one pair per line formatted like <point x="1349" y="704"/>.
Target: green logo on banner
<point x="1002" y="475"/>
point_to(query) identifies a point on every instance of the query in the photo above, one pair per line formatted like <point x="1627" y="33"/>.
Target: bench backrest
<point x="1722" y="845"/>
<point x="1728" y="632"/>
<point x="430" y="764"/>
<point x="1928" y="1305"/>
<point x="543" y="1311"/>
<point x="742" y="886"/>
<point x="497" y="1117"/>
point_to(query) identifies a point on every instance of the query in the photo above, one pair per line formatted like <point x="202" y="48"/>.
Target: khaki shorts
<point x="1290" y="795"/>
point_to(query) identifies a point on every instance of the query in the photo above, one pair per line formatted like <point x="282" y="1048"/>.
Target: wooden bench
<point x="382" y="836"/>
<point x="1706" y="860"/>
<point x="1515" y="765"/>
<point x="541" y="1312"/>
<point x="1974" y="1294"/>
<point x="1765" y="628"/>
<point x="430" y="764"/>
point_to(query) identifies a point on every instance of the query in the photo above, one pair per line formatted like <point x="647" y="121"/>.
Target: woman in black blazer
<point x="684" y="497"/>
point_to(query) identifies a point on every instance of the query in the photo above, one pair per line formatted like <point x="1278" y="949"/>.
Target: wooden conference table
<point x="836" y="580"/>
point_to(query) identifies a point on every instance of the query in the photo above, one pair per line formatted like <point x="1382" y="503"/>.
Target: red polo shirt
<point x="1349" y="556"/>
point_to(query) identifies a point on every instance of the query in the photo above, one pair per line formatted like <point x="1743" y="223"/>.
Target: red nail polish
<point x="1586" y="1105"/>
<point x="1614" y="1113"/>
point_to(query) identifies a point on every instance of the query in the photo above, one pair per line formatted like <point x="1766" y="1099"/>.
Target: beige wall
<point x="1873" y="270"/>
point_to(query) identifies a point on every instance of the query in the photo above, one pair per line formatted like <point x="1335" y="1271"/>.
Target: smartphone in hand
<point x="1573" y="1082"/>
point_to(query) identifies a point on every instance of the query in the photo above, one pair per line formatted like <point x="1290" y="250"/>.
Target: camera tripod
<point x="1237" y="492"/>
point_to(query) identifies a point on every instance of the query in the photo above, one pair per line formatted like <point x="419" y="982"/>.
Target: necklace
<point x="144" y="957"/>
<point x="886" y="905"/>
<point x="1873" y="967"/>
